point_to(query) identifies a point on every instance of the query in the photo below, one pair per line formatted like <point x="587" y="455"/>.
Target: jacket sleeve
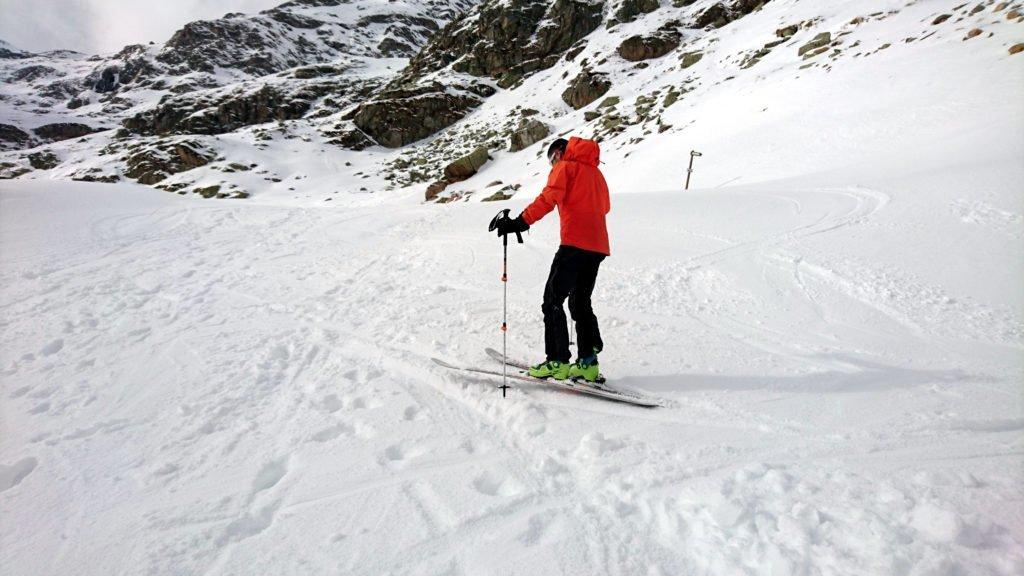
<point x="551" y="196"/>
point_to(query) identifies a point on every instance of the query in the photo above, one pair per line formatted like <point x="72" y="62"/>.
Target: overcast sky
<point x="103" y="26"/>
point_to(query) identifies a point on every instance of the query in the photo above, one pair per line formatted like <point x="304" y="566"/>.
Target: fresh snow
<point x="833" y="314"/>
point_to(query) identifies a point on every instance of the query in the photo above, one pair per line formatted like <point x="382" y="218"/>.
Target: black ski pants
<point x="573" y="275"/>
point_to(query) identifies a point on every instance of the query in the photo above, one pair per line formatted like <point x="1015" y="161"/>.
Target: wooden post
<point x="690" y="169"/>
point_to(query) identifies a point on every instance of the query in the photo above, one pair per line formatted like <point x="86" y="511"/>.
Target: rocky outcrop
<point x="529" y="132"/>
<point x="637" y="48"/>
<point x="152" y="163"/>
<point x="628" y="10"/>
<point x="503" y="40"/>
<point x="508" y="39"/>
<point x="401" y="116"/>
<point x="64" y="131"/>
<point x="31" y="73"/>
<point x="43" y="160"/>
<point x="718" y="14"/>
<point x="10" y="170"/>
<point x="348" y="135"/>
<point x="14" y="138"/>
<point x="224" y="110"/>
<point x="585" y="88"/>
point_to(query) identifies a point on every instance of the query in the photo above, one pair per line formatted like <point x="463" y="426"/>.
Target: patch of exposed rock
<point x="64" y="131"/>
<point x="401" y="116"/>
<point x="14" y="138"/>
<point x="638" y="48"/>
<point x="586" y="87"/>
<point x="529" y="132"/>
<point x="153" y="162"/>
<point x="718" y="14"/>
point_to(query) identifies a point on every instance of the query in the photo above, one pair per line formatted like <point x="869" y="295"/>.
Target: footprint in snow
<point x="331" y="403"/>
<point x="12" y="474"/>
<point x="332" y="432"/>
<point x="53" y="347"/>
<point x="493" y="484"/>
<point x="270" y="474"/>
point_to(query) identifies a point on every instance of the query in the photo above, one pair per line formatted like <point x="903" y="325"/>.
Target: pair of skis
<point x="599" y="389"/>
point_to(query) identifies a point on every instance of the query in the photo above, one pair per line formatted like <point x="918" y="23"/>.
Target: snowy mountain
<point x="832" y="314"/>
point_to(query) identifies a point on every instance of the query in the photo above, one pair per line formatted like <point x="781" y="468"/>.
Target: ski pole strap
<point x="501" y="217"/>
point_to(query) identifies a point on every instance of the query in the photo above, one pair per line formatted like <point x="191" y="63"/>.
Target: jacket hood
<point x="583" y="151"/>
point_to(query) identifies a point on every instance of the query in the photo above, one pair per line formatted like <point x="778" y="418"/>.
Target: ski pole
<point x="503" y="215"/>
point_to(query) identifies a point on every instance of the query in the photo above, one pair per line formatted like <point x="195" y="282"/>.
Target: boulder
<point x="787" y="31"/>
<point x="585" y="88"/>
<point x="637" y="48"/>
<point x="528" y="133"/>
<point x="435" y="188"/>
<point x="691" y="58"/>
<point x="819" y="41"/>
<point x="716" y="16"/>
<point x="466" y="166"/>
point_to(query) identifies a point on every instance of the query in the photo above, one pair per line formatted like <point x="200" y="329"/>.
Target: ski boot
<point x="585" y="369"/>
<point x="550" y="369"/>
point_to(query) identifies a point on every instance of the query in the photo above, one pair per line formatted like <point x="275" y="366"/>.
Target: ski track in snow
<point x="213" y="387"/>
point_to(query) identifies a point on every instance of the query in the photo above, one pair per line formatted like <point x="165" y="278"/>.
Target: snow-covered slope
<point x="833" y="313"/>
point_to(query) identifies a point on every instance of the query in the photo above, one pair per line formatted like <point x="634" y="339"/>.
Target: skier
<point x="578" y="189"/>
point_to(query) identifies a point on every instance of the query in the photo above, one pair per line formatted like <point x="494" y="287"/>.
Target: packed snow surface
<point x="194" y="386"/>
<point x="832" y="314"/>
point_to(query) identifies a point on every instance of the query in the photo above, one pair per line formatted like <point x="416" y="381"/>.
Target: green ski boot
<point x="550" y="369"/>
<point x="585" y="369"/>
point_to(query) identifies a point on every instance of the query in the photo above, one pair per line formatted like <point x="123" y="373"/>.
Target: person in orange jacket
<point x="577" y="188"/>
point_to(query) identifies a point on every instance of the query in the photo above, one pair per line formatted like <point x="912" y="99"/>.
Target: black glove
<point x="509" y="226"/>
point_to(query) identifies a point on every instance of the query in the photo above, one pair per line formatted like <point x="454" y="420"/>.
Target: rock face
<point x="154" y="162"/>
<point x="529" y="132"/>
<point x="503" y="40"/>
<point x="63" y="131"/>
<point x="401" y="116"/>
<point x="628" y="10"/>
<point x="585" y="88"/>
<point x="718" y="15"/>
<point x="507" y="39"/>
<point x="637" y="48"/>
<point x="14" y="138"/>
<point x="218" y="113"/>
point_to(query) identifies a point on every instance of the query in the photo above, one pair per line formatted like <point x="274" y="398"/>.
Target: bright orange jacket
<point x="577" y="187"/>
